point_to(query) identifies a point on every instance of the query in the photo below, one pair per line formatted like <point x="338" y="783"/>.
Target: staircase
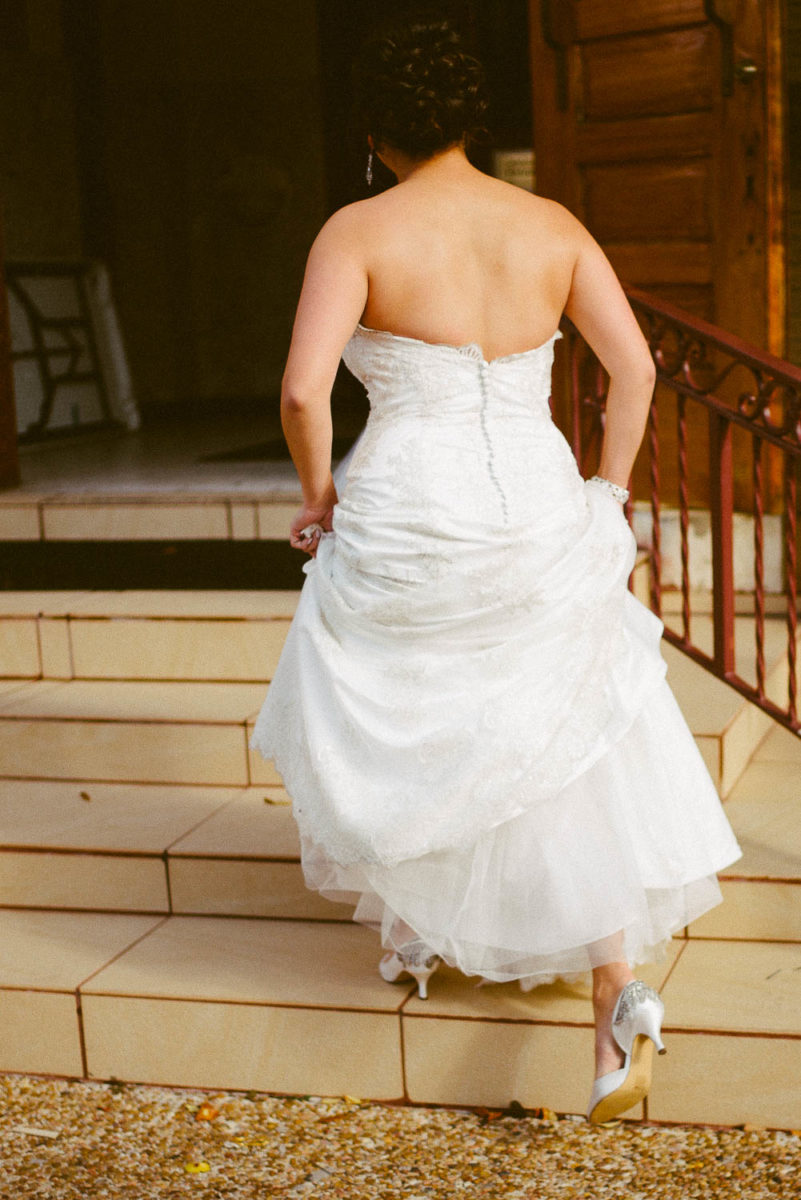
<point x="156" y="928"/>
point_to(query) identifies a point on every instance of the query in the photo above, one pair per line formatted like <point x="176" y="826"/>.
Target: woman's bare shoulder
<point x="343" y="226"/>
<point x="355" y="228"/>
<point x="554" y="216"/>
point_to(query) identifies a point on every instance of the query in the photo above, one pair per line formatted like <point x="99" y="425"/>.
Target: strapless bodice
<point x="434" y="379"/>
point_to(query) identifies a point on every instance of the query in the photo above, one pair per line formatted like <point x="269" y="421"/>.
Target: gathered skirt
<point x="476" y="731"/>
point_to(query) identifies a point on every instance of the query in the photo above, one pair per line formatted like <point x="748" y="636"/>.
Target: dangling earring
<point x="369" y="172"/>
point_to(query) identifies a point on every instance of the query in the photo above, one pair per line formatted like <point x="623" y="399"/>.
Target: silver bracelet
<point x="615" y="490"/>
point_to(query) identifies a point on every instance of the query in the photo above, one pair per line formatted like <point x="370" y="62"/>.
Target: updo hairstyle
<point x="417" y="90"/>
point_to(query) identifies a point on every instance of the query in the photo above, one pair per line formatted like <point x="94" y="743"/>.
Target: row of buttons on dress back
<point x="475" y="352"/>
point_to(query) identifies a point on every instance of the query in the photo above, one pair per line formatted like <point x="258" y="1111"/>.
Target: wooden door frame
<point x="9" y="457"/>
<point x="776" y="183"/>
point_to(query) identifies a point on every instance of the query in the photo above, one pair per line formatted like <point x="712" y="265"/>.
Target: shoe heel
<point x="650" y="1024"/>
<point x="422" y="976"/>
<point x="397" y="964"/>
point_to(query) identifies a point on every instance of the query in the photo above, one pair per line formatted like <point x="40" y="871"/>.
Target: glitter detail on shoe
<point x="633" y="993"/>
<point x="417" y="954"/>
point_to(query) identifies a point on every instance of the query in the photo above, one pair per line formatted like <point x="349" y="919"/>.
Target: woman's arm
<point x="598" y="307"/>
<point x="332" y="299"/>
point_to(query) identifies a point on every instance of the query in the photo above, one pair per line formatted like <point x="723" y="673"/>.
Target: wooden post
<point x="9" y="461"/>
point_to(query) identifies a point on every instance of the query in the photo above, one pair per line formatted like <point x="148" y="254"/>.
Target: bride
<point x="470" y="712"/>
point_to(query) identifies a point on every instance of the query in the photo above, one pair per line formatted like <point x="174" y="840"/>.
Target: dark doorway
<point x="498" y="33"/>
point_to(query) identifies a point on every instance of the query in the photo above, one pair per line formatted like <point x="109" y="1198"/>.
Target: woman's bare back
<point x="453" y="256"/>
<point x="456" y="256"/>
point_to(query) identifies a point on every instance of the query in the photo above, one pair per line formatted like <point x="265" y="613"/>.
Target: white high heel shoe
<point x="415" y="959"/>
<point x="637" y="1028"/>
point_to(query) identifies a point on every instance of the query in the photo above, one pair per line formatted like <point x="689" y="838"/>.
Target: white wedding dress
<point x="470" y="713"/>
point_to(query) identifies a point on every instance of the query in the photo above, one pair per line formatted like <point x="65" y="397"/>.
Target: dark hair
<point x="417" y="90"/>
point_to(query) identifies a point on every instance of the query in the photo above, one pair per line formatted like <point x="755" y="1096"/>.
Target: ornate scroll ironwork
<point x="738" y="387"/>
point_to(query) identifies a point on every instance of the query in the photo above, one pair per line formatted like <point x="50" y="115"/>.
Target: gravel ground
<point x="63" y="1139"/>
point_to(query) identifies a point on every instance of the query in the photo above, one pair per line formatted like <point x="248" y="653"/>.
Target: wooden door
<point x="650" y="124"/>
<point x="658" y="123"/>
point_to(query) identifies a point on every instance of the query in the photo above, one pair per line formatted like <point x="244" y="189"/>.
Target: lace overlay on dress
<point x="464" y="656"/>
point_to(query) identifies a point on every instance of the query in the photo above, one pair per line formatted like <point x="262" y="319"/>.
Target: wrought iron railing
<point x="736" y="437"/>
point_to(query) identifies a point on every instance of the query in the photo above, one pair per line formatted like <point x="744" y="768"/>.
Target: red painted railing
<point x="737" y="415"/>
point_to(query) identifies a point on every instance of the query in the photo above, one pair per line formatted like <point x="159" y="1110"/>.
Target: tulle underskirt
<point x="608" y="869"/>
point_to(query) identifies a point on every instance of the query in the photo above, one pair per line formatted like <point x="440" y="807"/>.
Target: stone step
<point x="762" y="892"/>
<point x="298" y="1007"/>
<point x="179" y="732"/>
<point x="128" y="635"/>
<point x="156" y="927"/>
<point x="154" y="848"/>
<point x="129" y="642"/>
<point x="166" y="732"/>
<point x="150" y="516"/>
<point x="168" y="848"/>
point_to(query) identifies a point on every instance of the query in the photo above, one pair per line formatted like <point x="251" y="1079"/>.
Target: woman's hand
<point x="305" y="516"/>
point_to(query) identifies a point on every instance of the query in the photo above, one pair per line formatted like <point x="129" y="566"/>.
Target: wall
<point x="181" y="143"/>
<point x="214" y="170"/>
<point x="39" y="188"/>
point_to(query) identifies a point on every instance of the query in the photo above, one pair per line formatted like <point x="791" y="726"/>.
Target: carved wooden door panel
<point x="650" y="125"/>
<point x="658" y="123"/>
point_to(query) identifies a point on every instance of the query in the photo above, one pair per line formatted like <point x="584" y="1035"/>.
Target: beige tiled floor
<point x="56" y="651"/>
<point x="281" y="1005"/>
<point x="476" y="1062"/>
<point x="709" y="705"/>
<point x="114" y="700"/>
<point x="728" y="1081"/>
<point x="735" y="987"/>
<point x="780" y="746"/>
<point x="191" y="733"/>
<point x="31" y="604"/>
<point x="111" y="883"/>
<point x="267" y="1048"/>
<point x="256" y="822"/>
<point x="168" y="460"/>
<point x="727" y="728"/>
<point x="60" y="950"/>
<point x="40" y="1033"/>
<point x="274" y="519"/>
<point x="758" y="911"/>
<point x="119" y="520"/>
<point x="263" y="962"/>
<point x="142" y="648"/>
<point x="260" y="770"/>
<point x="185" y="604"/>
<point x="14" y="691"/>
<point x="19" y="647"/>
<point x="102" y="816"/>
<point x="454" y="995"/>
<point x="19" y="522"/>
<point x="763" y="808"/>
<point x="244" y="521"/>
<point x="139" y="635"/>
<point x="701" y="632"/>
<point x="115" y="751"/>
<point x="242" y="888"/>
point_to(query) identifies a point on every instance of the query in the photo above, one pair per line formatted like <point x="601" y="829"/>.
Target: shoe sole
<point x="633" y="1088"/>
